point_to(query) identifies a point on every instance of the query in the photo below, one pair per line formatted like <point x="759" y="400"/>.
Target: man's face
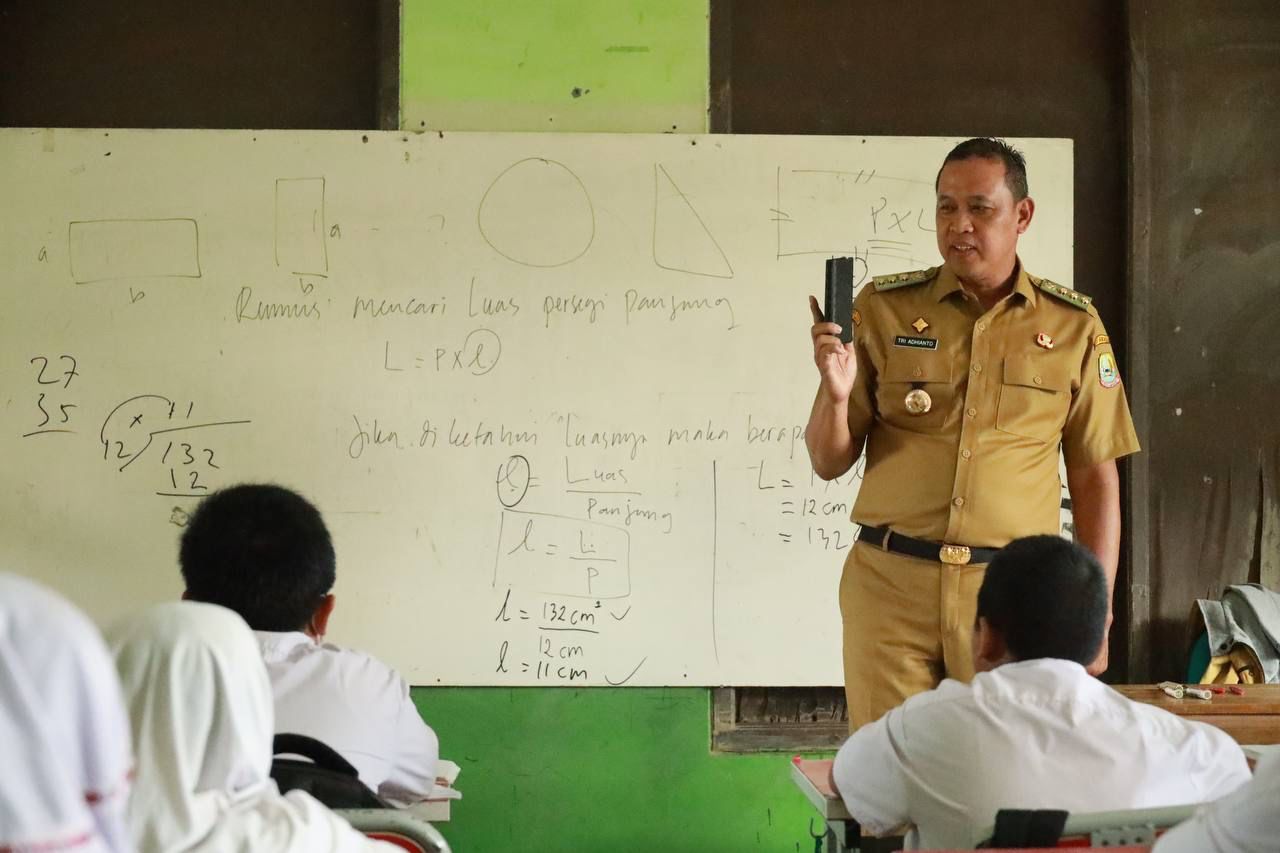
<point x="978" y="221"/>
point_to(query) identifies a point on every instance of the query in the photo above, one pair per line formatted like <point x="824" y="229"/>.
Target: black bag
<point x="1027" y="828"/>
<point x="325" y="774"/>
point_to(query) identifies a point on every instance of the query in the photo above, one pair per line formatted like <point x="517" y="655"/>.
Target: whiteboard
<point x="549" y="391"/>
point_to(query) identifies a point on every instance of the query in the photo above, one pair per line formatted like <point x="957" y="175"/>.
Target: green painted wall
<point x="555" y="770"/>
<point x="627" y="769"/>
<point x="580" y="65"/>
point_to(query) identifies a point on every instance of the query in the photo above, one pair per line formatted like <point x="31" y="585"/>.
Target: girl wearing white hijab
<point x="64" y="739"/>
<point x="202" y="714"/>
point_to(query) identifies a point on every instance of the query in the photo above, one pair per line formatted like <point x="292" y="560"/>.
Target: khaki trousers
<point x="908" y="623"/>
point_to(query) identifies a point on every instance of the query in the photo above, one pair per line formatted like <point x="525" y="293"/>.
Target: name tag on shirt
<point x="911" y="342"/>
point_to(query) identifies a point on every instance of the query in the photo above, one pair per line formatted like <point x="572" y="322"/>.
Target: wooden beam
<point x="388" y="37"/>
<point x="720" y="78"/>
<point x="1138" y="371"/>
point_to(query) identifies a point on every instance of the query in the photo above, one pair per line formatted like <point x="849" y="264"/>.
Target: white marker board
<point x="548" y="390"/>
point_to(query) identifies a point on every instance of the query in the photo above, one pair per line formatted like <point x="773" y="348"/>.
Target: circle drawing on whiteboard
<point x="537" y="213"/>
<point x="514" y="479"/>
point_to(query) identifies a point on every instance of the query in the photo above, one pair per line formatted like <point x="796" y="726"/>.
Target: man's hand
<point x="835" y="360"/>
<point x="1099" y="664"/>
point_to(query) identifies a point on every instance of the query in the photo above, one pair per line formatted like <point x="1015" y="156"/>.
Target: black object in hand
<point x="839" y="304"/>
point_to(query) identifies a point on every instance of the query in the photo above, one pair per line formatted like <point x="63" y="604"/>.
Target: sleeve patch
<point x="1108" y="374"/>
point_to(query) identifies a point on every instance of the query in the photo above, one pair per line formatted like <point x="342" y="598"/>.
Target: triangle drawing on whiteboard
<point x="681" y="240"/>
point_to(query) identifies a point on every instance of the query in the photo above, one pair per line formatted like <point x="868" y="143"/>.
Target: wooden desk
<point x="1253" y="718"/>
<point x="843" y="834"/>
<point x="813" y="778"/>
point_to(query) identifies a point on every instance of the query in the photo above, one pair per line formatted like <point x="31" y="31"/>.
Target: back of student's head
<point x="1047" y="597"/>
<point x="262" y="551"/>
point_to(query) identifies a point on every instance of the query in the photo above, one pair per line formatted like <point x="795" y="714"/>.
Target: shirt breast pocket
<point x="905" y="371"/>
<point x="1035" y="395"/>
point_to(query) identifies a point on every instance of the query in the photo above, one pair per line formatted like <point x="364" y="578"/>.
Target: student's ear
<point x="320" y="618"/>
<point x="989" y="649"/>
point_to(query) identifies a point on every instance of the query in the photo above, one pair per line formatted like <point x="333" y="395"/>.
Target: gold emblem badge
<point x="1043" y="340"/>
<point x="857" y="317"/>
<point x="1100" y="340"/>
<point x="920" y="324"/>
<point x="918" y="401"/>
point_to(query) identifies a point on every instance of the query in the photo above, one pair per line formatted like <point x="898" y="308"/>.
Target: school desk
<point x="813" y="778"/>
<point x="1253" y="717"/>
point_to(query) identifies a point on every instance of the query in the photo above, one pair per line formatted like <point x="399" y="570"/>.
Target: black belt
<point x="939" y="552"/>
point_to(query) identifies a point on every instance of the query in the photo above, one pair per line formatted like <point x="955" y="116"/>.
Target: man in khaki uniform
<point x="961" y="383"/>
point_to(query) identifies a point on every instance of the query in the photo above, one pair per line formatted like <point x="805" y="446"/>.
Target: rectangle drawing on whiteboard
<point x="816" y="207"/>
<point x="557" y="555"/>
<point x="300" y="226"/>
<point x="109" y="249"/>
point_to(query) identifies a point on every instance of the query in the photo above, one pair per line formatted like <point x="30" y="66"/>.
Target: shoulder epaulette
<point x="903" y="279"/>
<point x="1066" y="294"/>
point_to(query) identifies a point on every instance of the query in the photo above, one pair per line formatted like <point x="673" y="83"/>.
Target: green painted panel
<point x="555" y="769"/>
<point x="581" y="65"/>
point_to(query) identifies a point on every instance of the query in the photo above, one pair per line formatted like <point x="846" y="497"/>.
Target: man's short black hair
<point x="262" y="551"/>
<point x="1048" y="597"/>
<point x="990" y="148"/>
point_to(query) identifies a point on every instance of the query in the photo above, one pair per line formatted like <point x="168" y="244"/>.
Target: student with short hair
<point x="200" y="706"/>
<point x="264" y="552"/>
<point x="65" y="760"/>
<point x="1033" y="730"/>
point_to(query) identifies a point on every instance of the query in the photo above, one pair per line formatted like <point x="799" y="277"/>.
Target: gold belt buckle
<point x="955" y="555"/>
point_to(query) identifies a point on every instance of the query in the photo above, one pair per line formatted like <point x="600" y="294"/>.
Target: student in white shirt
<point x="264" y="552"/>
<point x="1245" y="821"/>
<point x="1033" y="730"/>
<point x="200" y="707"/>
<point x="65" y="760"/>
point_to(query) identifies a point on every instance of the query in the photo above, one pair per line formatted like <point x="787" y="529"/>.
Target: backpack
<point x="1237" y="637"/>
<point x="321" y="772"/>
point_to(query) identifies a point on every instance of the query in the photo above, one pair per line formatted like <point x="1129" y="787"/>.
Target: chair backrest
<point x="1131" y="826"/>
<point x="1108" y="829"/>
<point x="412" y="833"/>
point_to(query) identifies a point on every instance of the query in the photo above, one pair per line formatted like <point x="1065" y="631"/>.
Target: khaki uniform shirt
<point x="1007" y="388"/>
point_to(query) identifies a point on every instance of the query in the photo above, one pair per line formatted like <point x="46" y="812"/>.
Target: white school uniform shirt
<point x="65" y="759"/>
<point x="1245" y="821"/>
<point x="200" y="706"/>
<point x="357" y="705"/>
<point x="1038" y="734"/>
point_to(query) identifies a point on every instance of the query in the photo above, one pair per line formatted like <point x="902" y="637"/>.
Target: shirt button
<point x="973" y="413"/>
<point x="1038" y="380"/>
<point x="916" y="371"/>
<point x="966" y="453"/>
<point x="958" y="501"/>
<point x="977" y="368"/>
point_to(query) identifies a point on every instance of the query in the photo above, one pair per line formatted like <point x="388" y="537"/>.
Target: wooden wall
<point x="1205" y="308"/>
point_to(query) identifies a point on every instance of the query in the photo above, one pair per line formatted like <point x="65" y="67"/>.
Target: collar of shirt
<point x="946" y="283"/>
<point x="1039" y="676"/>
<point x="278" y="644"/>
